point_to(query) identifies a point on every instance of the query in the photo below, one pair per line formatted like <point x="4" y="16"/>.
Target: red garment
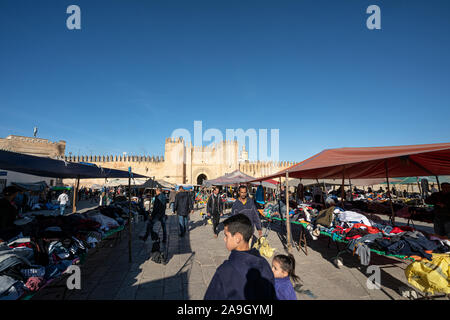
<point x="359" y="225"/>
<point x="397" y="230"/>
<point x="23" y="244"/>
<point x="35" y="283"/>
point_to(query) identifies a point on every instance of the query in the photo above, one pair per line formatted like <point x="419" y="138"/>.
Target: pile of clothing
<point x="363" y="234"/>
<point x="43" y="247"/>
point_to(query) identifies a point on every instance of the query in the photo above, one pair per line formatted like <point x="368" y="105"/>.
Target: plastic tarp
<point x="430" y="276"/>
<point x="413" y="180"/>
<point x="166" y="184"/>
<point x="372" y="162"/>
<point x="124" y="182"/>
<point x="36" y="186"/>
<point x="337" y="182"/>
<point x="47" y="167"/>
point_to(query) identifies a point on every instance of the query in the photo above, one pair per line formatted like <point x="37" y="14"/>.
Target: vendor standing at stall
<point x="441" y="202"/>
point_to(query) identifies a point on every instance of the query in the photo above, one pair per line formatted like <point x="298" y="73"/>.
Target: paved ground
<point x="107" y="273"/>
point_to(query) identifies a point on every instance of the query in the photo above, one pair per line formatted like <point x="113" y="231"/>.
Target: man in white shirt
<point x="63" y="199"/>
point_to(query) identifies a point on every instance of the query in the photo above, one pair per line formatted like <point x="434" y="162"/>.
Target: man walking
<point x="214" y="209"/>
<point x="182" y="207"/>
<point x="172" y="195"/>
<point x="63" y="199"/>
<point x="158" y="214"/>
<point x="247" y="206"/>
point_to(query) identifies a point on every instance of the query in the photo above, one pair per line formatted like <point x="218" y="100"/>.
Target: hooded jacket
<point x="183" y="203"/>
<point x="244" y="276"/>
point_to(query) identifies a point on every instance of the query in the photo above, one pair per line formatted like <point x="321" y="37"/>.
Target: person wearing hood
<point x="245" y="275"/>
<point x="182" y="207"/>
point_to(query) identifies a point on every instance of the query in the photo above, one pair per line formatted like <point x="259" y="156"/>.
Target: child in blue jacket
<point x="283" y="268"/>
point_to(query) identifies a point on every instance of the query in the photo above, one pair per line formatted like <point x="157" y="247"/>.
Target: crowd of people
<point x="246" y="274"/>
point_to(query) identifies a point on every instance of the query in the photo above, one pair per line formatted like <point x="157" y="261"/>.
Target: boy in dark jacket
<point x="245" y="275"/>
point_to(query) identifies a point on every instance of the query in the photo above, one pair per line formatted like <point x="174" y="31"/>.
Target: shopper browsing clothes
<point x="214" y="209"/>
<point x="245" y="275"/>
<point x="182" y="207"/>
<point x="63" y="199"/>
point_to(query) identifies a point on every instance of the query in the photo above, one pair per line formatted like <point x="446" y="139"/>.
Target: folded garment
<point x="35" y="283"/>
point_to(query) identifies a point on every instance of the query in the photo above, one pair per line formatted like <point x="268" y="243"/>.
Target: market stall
<point x="365" y="163"/>
<point x="38" y="249"/>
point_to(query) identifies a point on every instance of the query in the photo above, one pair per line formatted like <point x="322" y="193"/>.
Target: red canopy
<point x="373" y="162"/>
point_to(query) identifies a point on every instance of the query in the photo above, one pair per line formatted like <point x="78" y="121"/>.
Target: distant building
<point x="32" y="146"/>
<point x="185" y="164"/>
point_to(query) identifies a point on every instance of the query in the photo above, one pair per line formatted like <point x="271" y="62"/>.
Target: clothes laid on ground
<point x="326" y="217"/>
<point x="353" y="217"/>
<point x="44" y="248"/>
<point x="244" y="276"/>
<point x="363" y="235"/>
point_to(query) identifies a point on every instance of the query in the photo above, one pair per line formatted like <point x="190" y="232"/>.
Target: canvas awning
<point x="124" y="182"/>
<point x="237" y="177"/>
<point x="373" y="162"/>
<point x="47" y="167"/>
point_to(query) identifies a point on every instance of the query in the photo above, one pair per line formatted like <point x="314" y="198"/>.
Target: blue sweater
<point x="244" y="276"/>
<point x="249" y="209"/>
<point x="284" y="289"/>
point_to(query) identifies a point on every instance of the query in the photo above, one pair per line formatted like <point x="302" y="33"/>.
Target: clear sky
<point x="137" y="70"/>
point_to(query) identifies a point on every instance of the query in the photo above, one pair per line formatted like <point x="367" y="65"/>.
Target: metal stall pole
<point x="439" y="186"/>
<point x="129" y="214"/>
<point x="342" y="187"/>
<point x="75" y="195"/>
<point x="389" y="194"/>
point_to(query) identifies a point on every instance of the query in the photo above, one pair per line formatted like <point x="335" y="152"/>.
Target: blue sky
<point x="137" y="70"/>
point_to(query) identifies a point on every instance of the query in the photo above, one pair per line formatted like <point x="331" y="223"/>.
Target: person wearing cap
<point x="8" y="212"/>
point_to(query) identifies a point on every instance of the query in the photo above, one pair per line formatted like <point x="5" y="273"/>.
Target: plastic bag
<point x="262" y="245"/>
<point x="430" y="276"/>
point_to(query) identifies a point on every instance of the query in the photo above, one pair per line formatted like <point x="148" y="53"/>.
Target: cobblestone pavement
<point x="193" y="259"/>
